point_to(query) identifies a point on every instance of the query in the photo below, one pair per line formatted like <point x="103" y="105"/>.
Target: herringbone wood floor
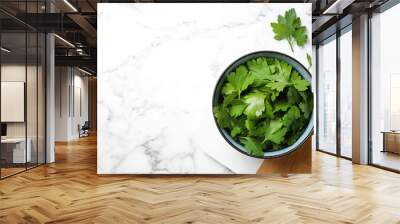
<point x="69" y="191"/>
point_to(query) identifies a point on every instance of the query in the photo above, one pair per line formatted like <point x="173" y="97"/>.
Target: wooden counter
<point x="391" y="141"/>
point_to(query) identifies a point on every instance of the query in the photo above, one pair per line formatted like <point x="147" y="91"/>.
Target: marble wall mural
<point x="158" y="65"/>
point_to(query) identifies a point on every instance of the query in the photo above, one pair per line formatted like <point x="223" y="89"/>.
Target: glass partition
<point x="385" y="89"/>
<point x="346" y="93"/>
<point x="32" y="95"/>
<point x="22" y="101"/>
<point x="14" y="155"/>
<point x="41" y="107"/>
<point x="326" y="106"/>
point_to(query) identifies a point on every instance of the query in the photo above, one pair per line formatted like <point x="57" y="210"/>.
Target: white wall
<point x="71" y="102"/>
<point x="62" y="82"/>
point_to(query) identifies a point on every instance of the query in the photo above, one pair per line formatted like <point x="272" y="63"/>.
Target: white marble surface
<point x="157" y="68"/>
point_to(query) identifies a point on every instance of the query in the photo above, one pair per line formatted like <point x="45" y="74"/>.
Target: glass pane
<point x="327" y="97"/>
<point x="41" y="99"/>
<point x="31" y="88"/>
<point x="13" y="88"/>
<point x="385" y="84"/>
<point x="346" y="94"/>
<point x="32" y="95"/>
<point x="313" y="86"/>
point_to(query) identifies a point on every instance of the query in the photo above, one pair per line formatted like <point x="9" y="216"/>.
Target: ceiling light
<point x="64" y="40"/>
<point x="84" y="71"/>
<point x="70" y="5"/>
<point x="5" y="50"/>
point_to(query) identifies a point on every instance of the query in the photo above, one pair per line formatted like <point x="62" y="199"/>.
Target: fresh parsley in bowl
<point x="263" y="104"/>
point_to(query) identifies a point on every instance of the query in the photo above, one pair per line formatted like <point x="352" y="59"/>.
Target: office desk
<point x="15" y="148"/>
<point x="391" y="141"/>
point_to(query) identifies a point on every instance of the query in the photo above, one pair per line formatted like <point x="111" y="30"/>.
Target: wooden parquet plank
<point x="70" y="191"/>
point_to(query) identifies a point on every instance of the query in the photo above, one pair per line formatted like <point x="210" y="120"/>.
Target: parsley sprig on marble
<point x="265" y="104"/>
<point x="289" y="27"/>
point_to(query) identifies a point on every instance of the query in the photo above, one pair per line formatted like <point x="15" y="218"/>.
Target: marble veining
<point x="158" y="65"/>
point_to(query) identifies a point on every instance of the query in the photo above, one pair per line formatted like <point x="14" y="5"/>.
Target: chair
<point x="84" y="130"/>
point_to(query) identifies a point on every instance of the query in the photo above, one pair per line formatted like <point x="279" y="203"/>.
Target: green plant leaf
<point x="255" y="104"/>
<point x="278" y="136"/>
<point x="284" y="69"/>
<point x="289" y="27"/>
<point x="275" y="132"/>
<point x="259" y="68"/>
<point x="228" y="89"/>
<point x="298" y="82"/>
<point x="236" y="130"/>
<point x="240" y="79"/>
<point x="281" y="106"/>
<point x="309" y="60"/>
<point x="279" y="85"/>
<point x="269" y="111"/>
<point x="222" y="116"/>
<point x="255" y="129"/>
<point x="228" y="100"/>
<point x="253" y="146"/>
<point x="237" y="108"/>
<point x="272" y="94"/>
<point x="306" y="106"/>
<point x="291" y="115"/>
<point x="282" y="79"/>
<point x="293" y="96"/>
<point x="271" y="128"/>
<point x="300" y="36"/>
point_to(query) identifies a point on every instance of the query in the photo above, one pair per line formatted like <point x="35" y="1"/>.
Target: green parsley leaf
<point x="282" y="79"/>
<point x="306" y="107"/>
<point x="281" y="106"/>
<point x="272" y="94"/>
<point x="309" y="60"/>
<point x="236" y="130"/>
<point x="237" y="108"/>
<point x="293" y="96"/>
<point x="269" y="111"/>
<point x="278" y="136"/>
<point x="300" y="36"/>
<point x="240" y="79"/>
<point x="259" y="68"/>
<point x="284" y="69"/>
<point x="271" y="128"/>
<point x="228" y="100"/>
<point x="255" y="104"/>
<point x="298" y="82"/>
<point x="222" y="116"/>
<point x="255" y="129"/>
<point x="289" y="27"/>
<point x="279" y="83"/>
<point x="252" y="146"/>
<point x="228" y="89"/>
<point x="291" y="115"/>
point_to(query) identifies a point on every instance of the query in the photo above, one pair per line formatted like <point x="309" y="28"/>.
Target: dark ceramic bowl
<point x="217" y="99"/>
